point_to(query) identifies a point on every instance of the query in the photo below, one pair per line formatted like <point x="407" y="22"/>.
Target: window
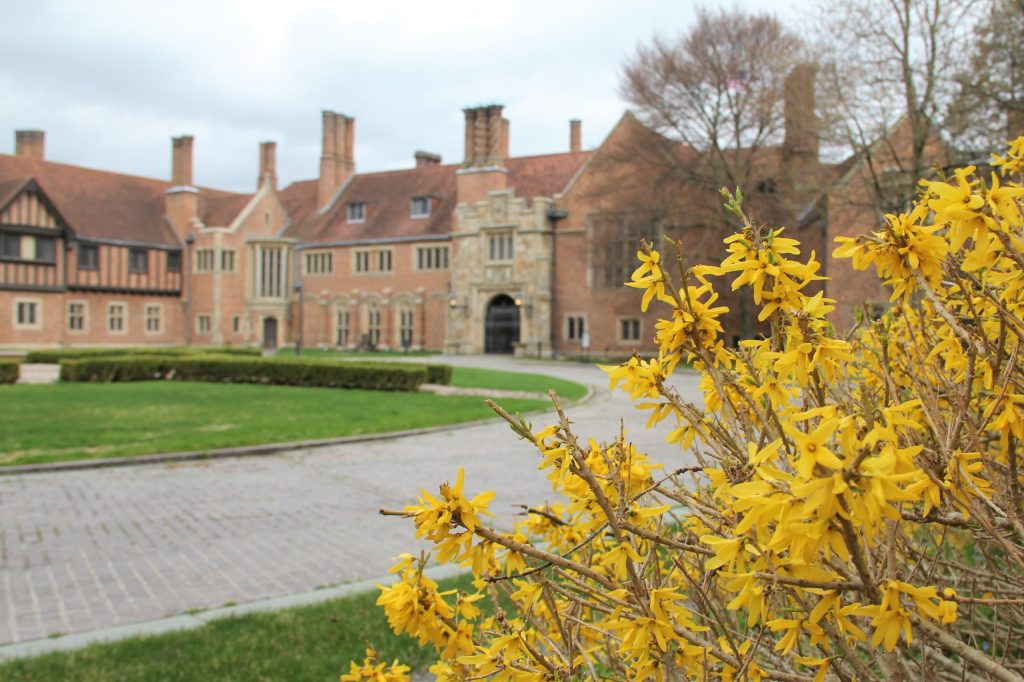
<point x="419" y="207"/>
<point x="613" y="242"/>
<point x="500" y="246"/>
<point x="405" y="320"/>
<point x="76" y="316"/>
<point x="236" y="324"/>
<point x="26" y="314"/>
<point x="356" y="212"/>
<point x="46" y="249"/>
<point x="88" y="257"/>
<point x="271" y="271"/>
<point x="203" y="324"/>
<point x="376" y="260"/>
<point x="342" y="329"/>
<point x="204" y="260"/>
<point x="373" y="326"/>
<point x="319" y="263"/>
<point x="11" y="245"/>
<point x="432" y="258"/>
<point x="138" y="261"/>
<point x="227" y="260"/>
<point x="629" y="329"/>
<point x="174" y="261"/>
<point x="116" y="314"/>
<point x="152" y="319"/>
<point x="575" y="327"/>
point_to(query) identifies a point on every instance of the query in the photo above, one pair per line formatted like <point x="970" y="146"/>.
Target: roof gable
<point x="23" y="203"/>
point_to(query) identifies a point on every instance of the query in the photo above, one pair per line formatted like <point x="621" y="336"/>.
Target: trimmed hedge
<point x="240" y="370"/>
<point x="9" y="371"/>
<point x="439" y="374"/>
<point x="58" y="354"/>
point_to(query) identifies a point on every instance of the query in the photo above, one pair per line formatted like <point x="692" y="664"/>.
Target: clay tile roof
<point x="10" y="189"/>
<point x="533" y="176"/>
<point x="219" y="209"/>
<point x="299" y="199"/>
<point x="387" y="196"/>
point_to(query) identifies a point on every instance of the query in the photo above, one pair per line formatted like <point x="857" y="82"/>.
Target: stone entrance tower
<point x="501" y="248"/>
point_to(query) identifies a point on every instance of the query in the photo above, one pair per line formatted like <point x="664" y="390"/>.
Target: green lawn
<point x="467" y="377"/>
<point x="308" y="643"/>
<point x="61" y="422"/>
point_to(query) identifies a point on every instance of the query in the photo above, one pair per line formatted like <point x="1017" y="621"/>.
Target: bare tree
<point x="888" y="80"/>
<point x="990" y="106"/>
<point x="718" y="90"/>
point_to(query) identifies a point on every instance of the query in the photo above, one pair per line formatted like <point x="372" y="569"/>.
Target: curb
<point x="193" y="621"/>
<point x="247" y="450"/>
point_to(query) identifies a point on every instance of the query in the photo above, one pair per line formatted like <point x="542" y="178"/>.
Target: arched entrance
<point x="501" y="329"/>
<point x="269" y="333"/>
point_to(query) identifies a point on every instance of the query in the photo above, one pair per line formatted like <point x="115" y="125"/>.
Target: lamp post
<point x="298" y="336"/>
<point x="190" y="241"/>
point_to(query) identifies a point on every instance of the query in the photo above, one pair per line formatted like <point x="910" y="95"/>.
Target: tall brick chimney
<point x="268" y="165"/>
<point x="483" y="169"/>
<point x="575" y="135"/>
<point x="800" y="165"/>
<point x="337" y="158"/>
<point x="181" y="201"/>
<point x="30" y="144"/>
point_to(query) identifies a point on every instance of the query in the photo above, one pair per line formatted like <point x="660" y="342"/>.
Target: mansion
<point x="494" y="253"/>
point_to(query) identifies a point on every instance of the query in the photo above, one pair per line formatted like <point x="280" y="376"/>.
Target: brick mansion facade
<point x="495" y="253"/>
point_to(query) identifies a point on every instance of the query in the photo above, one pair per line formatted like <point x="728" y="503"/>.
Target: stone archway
<point x="501" y="325"/>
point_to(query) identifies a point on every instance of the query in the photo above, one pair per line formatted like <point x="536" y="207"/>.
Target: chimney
<point x="486" y="137"/>
<point x="268" y="165"/>
<point x="30" y="144"/>
<point x="337" y="159"/>
<point x="574" y="135"/>
<point x="181" y="161"/>
<point x="483" y="169"/>
<point x="181" y="201"/>
<point x="427" y="159"/>
<point x="801" y="122"/>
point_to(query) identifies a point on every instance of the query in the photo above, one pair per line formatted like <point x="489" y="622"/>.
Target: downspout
<point x="187" y="267"/>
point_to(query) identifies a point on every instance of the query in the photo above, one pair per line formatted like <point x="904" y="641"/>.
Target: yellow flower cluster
<point x="847" y="497"/>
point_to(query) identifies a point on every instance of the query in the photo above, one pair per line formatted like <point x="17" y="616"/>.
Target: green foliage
<point x="53" y="356"/>
<point x="439" y="374"/>
<point x="247" y="370"/>
<point x="8" y="371"/>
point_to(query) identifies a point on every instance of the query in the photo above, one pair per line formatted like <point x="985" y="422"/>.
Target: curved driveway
<point x="86" y="550"/>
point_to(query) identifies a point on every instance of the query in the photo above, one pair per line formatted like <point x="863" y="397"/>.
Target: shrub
<point x="855" y="511"/>
<point x="439" y="374"/>
<point x="231" y="369"/>
<point x="56" y="355"/>
<point x="9" y="371"/>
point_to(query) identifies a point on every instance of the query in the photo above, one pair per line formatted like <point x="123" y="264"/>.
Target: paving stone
<point x="103" y="548"/>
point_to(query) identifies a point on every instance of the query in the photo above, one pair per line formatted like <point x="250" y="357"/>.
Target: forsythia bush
<point x="855" y="511"/>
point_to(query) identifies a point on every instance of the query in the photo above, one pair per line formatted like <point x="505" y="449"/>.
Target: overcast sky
<point x="112" y="81"/>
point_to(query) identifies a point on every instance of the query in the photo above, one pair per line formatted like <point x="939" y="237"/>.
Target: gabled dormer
<point x="33" y="235"/>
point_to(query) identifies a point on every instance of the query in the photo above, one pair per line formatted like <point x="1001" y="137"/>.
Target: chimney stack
<point x="181" y="201"/>
<point x="427" y="159"/>
<point x="574" y="135"/>
<point x="30" y="144"/>
<point x="801" y="121"/>
<point x="483" y="170"/>
<point x="268" y="165"/>
<point x="337" y="159"/>
<point x="486" y="137"/>
<point x="181" y="161"/>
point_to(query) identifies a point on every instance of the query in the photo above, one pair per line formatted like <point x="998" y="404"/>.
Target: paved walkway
<point x="95" y="549"/>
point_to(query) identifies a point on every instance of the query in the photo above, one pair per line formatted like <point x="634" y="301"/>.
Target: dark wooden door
<point x="269" y="333"/>
<point x="501" y="328"/>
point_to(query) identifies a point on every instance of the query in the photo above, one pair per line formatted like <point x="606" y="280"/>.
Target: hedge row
<point x="8" y="371"/>
<point x="439" y="374"/>
<point x="59" y="354"/>
<point x="280" y="371"/>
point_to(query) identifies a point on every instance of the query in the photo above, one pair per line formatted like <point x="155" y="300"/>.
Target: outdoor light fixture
<point x="524" y="302"/>
<point x="453" y="304"/>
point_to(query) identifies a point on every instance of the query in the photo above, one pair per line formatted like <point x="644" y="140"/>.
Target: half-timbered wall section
<point x="125" y="268"/>
<point x="31" y="245"/>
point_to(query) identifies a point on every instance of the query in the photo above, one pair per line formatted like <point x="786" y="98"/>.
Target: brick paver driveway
<point x="99" y="548"/>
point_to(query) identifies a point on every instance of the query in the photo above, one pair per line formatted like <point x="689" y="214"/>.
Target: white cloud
<point x="112" y="81"/>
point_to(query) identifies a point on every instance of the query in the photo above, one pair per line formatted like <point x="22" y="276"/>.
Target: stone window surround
<point x="111" y="305"/>
<point x="84" y="316"/>
<point x="37" y="312"/>
<point x="621" y="338"/>
<point x="159" y="317"/>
